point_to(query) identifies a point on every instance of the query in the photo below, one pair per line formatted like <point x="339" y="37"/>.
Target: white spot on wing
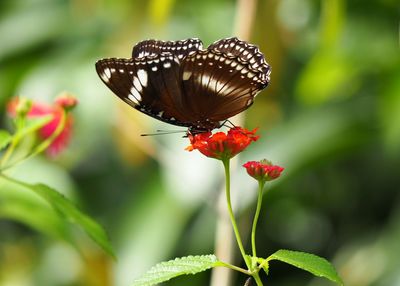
<point x="136" y="84"/>
<point x="135" y="96"/>
<point x="142" y="74"/>
<point x="219" y="85"/>
<point x="107" y="73"/>
<point x="215" y="86"/>
<point x="143" y="53"/>
<point x="104" y="77"/>
<point x="167" y="65"/>
<point x="186" y="75"/>
<point x="205" y="79"/>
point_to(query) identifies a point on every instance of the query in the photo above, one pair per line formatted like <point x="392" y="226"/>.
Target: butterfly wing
<point x="178" y="48"/>
<point x="246" y="53"/>
<point x="149" y="84"/>
<point x="220" y="82"/>
<point x="179" y="83"/>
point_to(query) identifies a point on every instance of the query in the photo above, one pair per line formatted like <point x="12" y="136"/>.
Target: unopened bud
<point x="66" y="101"/>
<point x="23" y="106"/>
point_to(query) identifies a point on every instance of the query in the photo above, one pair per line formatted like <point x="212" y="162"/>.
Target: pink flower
<point x="220" y="145"/>
<point x="57" y="110"/>
<point x="263" y="170"/>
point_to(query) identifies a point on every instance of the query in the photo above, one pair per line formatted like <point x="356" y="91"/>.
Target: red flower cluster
<point x="263" y="170"/>
<point x="36" y="110"/>
<point x="220" y="145"/>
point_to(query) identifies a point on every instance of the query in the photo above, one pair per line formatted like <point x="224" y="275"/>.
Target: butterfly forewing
<point x="177" y="48"/>
<point x="149" y="84"/>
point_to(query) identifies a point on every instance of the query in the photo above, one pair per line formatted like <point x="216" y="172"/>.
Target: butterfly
<point x="181" y="83"/>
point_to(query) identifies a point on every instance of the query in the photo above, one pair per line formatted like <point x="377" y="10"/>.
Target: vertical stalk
<point x="257" y="279"/>
<point x="242" y="27"/>
<point x="256" y="215"/>
<point x="230" y="211"/>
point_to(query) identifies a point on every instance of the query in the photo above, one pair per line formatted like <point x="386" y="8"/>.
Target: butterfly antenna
<point x="228" y="123"/>
<point x="163" y="132"/>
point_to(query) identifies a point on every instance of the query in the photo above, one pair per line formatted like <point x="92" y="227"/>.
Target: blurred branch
<point x="332" y="19"/>
<point x="160" y="11"/>
<point x="245" y="11"/>
<point x="245" y="14"/>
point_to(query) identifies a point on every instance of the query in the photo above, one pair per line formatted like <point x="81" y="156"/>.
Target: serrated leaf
<point x="164" y="271"/>
<point x="312" y="263"/>
<point x="68" y="211"/>
<point x="264" y="264"/>
<point x="5" y="138"/>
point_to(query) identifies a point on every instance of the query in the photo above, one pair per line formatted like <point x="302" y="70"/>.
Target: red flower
<point x="220" y="145"/>
<point x="263" y="170"/>
<point x="37" y="109"/>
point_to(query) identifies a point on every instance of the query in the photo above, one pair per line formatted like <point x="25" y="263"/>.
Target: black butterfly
<point x="180" y="83"/>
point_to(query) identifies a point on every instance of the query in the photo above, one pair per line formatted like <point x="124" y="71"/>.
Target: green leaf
<point x="164" y="271"/>
<point x="5" y="138"/>
<point x="314" y="264"/>
<point x="68" y="211"/>
<point x="33" y="212"/>
<point x="264" y="264"/>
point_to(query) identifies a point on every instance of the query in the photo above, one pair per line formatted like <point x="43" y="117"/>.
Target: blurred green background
<point x="331" y="117"/>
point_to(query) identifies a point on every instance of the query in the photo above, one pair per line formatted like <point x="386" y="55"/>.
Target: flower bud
<point x="263" y="170"/>
<point x="66" y="101"/>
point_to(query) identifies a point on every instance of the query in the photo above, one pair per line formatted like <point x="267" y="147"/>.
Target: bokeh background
<point x="331" y="117"/>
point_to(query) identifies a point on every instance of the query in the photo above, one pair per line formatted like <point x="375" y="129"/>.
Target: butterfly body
<point x="180" y="83"/>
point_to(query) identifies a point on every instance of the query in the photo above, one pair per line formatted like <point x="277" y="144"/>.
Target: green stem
<point x="9" y="151"/>
<point x="19" y="123"/>
<point x="257" y="279"/>
<point x="46" y="143"/>
<point x="256" y="215"/>
<point x="231" y="215"/>
<point x="233" y="267"/>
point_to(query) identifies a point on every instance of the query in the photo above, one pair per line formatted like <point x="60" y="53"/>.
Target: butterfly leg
<point x="228" y="123"/>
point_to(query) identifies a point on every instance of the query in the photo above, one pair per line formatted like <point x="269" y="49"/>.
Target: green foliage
<point x="68" y="212"/>
<point x="314" y="264"/>
<point x="164" y="271"/>
<point x="5" y="138"/>
<point x="31" y="125"/>
<point x="22" y="205"/>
